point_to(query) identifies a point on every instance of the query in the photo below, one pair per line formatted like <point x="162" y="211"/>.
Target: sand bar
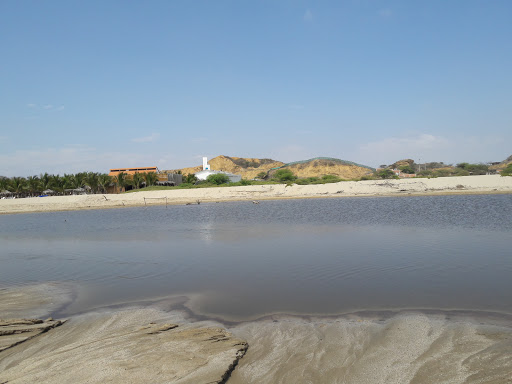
<point x="486" y="184"/>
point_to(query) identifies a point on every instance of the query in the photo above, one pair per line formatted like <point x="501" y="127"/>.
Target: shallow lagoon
<point x="241" y="260"/>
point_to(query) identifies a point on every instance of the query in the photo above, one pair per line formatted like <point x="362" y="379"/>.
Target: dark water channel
<point x="242" y="260"/>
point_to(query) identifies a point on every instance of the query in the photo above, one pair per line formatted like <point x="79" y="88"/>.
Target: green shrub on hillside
<point x="443" y="172"/>
<point x="461" y="172"/>
<point x="406" y="169"/>
<point x="507" y="171"/>
<point x="330" y="179"/>
<point x="474" y="169"/>
<point x="387" y="174"/>
<point x="217" y="179"/>
<point x="284" y="175"/>
<point x="305" y="181"/>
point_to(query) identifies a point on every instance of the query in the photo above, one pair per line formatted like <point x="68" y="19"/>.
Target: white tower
<point x="206" y="166"/>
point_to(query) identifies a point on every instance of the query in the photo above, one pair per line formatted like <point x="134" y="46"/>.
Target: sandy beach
<point x="404" y="187"/>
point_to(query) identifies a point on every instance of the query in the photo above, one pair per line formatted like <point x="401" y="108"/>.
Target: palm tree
<point x="4" y="183"/>
<point x="190" y="178"/>
<point x="45" y="181"/>
<point x="150" y="178"/>
<point x="77" y="180"/>
<point x="137" y="180"/>
<point x="66" y="181"/>
<point x="104" y="181"/>
<point x="59" y="183"/>
<point x="17" y="184"/>
<point x="91" y="179"/>
<point x="34" y="184"/>
<point x="120" y="181"/>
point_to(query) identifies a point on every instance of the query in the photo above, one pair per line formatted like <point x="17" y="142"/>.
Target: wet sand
<point x="486" y="184"/>
<point x="408" y="347"/>
<point x="127" y="345"/>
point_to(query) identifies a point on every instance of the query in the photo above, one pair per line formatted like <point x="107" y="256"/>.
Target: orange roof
<point x="132" y="171"/>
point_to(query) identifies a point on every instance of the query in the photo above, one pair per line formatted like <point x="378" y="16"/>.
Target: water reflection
<point x="305" y="256"/>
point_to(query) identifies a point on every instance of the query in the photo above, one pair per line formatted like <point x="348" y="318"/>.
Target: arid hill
<point x="249" y="168"/>
<point x="402" y="163"/>
<point x="503" y="164"/>
<point x="321" y="166"/>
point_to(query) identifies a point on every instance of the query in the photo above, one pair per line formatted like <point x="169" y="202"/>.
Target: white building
<point x="202" y="175"/>
<point x="206" y="166"/>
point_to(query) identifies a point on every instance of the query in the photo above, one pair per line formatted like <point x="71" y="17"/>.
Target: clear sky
<point x="92" y="85"/>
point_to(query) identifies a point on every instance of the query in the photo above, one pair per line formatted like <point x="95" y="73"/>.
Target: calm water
<point x="243" y="260"/>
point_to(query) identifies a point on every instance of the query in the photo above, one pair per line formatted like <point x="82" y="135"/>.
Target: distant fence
<point x="147" y="200"/>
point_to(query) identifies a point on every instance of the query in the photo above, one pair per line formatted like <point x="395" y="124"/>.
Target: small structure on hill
<point x="203" y="175"/>
<point x="206" y="166"/>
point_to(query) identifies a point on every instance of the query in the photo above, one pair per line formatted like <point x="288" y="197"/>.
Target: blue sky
<point x="93" y="85"/>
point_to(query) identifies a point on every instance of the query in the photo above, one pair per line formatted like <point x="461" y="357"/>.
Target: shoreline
<point x="51" y="299"/>
<point x="183" y="304"/>
<point x="461" y="185"/>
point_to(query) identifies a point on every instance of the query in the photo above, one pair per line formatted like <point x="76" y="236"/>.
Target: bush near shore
<point x="507" y="171"/>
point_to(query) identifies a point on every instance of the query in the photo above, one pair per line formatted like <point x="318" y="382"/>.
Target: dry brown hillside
<point x="326" y="166"/>
<point x="247" y="167"/>
<point x="503" y="164"/>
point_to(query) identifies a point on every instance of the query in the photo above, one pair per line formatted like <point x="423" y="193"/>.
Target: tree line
<point x="91" y="182"/>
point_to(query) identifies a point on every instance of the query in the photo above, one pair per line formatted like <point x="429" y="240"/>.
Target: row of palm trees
<point x="137" y="180"/>
<point x="91" y="182"/>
